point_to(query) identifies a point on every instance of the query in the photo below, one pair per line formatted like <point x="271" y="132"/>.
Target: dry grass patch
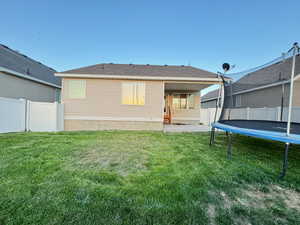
<point x="122" y="156"/>
<point x="256" y="198"/>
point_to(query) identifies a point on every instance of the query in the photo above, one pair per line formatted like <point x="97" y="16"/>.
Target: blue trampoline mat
<point x="264" y="134"/>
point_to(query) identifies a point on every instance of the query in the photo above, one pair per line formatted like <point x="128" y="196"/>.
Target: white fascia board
<point x="2" y="69"/>
<point x="137" y="77"/>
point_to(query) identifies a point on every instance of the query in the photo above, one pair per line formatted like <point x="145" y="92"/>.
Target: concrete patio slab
<point x="186" y="128"/>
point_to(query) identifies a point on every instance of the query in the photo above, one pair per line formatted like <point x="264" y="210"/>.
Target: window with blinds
<point x="133" y="93"/>
<point x="183" y="101"/>
<point x="77" y="89"/>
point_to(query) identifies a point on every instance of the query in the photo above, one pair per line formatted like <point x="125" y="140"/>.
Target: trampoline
<point x="251" y="117"/>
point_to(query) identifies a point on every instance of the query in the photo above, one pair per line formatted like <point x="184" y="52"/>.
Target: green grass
<point x="145" y="178"/>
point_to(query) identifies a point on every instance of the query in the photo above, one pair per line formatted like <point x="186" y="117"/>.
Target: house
<point x="23" y="77"/>
<point x="132" y="97"/>
<point x="266" y="87"/>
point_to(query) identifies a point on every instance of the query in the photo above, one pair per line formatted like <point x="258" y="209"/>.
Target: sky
<point x="70" y="34"/>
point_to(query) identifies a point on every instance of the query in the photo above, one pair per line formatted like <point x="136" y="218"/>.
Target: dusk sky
<point x="72" y="34"/>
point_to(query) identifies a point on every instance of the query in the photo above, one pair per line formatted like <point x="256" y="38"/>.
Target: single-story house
<point x="266" y="87"/>
<point x="132" y="97"/>
<point x="23" y="77"/>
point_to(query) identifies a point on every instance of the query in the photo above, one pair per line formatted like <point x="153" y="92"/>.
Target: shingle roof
<point x="210" y="95"/>
<point x="271" y="74"/>
<point x="142" y="70"/>
<point x="20" y="63"/>
<point x="274" y="73"/>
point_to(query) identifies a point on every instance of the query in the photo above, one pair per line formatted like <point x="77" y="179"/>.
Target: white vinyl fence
<point x="17" y="115"/>
<point x="274" y="113"/>
<point x="12" y="115"/>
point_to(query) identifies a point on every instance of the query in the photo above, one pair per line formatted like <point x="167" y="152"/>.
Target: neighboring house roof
<point x="272" y="75"/>
<point x="212" y="95"/>
<point x="21" y="65"/>
<point x="141" y="71"/>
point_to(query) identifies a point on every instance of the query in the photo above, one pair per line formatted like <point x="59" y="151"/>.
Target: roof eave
<point x="24" y="76"/>
<point x="134" y="77"/>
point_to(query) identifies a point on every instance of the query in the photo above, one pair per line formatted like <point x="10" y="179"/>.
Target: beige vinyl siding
<point x="16" y="87"/>
<point x="103" y="102"/>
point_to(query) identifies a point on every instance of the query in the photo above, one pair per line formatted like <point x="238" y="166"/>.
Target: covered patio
<point x="182" y="105"/>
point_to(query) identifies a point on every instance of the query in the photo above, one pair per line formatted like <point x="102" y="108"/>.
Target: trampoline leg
<point x="285" y="161"/>
<point x="229" y="152"/>
<point x="212" y="136"/>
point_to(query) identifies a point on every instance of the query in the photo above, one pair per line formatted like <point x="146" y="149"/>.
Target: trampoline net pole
<point x="288" y="129"/>
<point x="218" y="101"/>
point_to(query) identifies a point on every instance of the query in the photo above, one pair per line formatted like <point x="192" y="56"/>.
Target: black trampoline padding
<point x="274" y="126"/>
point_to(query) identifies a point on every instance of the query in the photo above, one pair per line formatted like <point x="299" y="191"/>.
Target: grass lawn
<point x="141" y="178"/>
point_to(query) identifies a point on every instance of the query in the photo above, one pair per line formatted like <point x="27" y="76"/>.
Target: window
<point x="238" y="101"/>
<point x="77" y="89"/>
<point x="183" y="101"/>
<point x="133" y="93"/>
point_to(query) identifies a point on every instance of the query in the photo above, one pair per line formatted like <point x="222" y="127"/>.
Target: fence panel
<point x="12" y="115"/>
<point x="207" y="115"/>
<point x="44" y="116"/>
<point x="264" y="113"/>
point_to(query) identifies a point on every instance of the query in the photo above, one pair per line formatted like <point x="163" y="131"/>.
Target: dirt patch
<point x="259" y="199"/>
<point x="211" y="212"/>
<point x="291" y="198"/>
<point x="254" y="198"/>
<point x="226" y="200"/>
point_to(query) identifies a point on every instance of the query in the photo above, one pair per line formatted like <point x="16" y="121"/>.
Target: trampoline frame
<point x="287" y="138"/>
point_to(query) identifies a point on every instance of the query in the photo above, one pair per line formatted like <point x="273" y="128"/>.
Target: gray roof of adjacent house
<point x="17" y="62"/>
<point x="275" y="73"/>
<point x="210" y="95"/>
<point x="143" y="70"/>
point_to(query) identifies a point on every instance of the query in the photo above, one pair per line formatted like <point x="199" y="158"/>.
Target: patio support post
<point x="285" y="161"/>
<point x="229" y="148"/>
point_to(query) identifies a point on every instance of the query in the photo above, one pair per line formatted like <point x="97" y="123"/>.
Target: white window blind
<point x="133" y="93"/>
<point x="183" y="101"/>
<point x="77" y="89"/>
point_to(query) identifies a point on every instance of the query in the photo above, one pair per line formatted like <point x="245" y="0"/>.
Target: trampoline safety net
<point x="261" y="98"/>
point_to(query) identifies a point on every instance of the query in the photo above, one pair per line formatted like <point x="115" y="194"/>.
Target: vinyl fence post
<point x="248" y="113"/>
<point x="279" y="116"/>
<point x="27" y="114"/>
<point x="56" y="117"/>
